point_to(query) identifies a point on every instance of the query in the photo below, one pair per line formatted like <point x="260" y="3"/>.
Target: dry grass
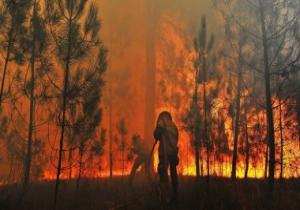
<point x="104" y="194"/>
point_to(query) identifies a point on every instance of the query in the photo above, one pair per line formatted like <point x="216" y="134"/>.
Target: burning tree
<point x="34" y="44"/>
<point x="75" y="35"/>
<point x="97" y="149"/>
<point x="203" y="48"/>
<point x="270" y="29"/>
<point x="122" y="130"/>
<point x="27" y="45"/>
<point x="86" y="87"/>
<point x="237" y="43"/>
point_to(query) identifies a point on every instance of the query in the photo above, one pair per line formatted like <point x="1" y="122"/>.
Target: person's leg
<point x="174" y="176"/>
<point x="147" y="167"/>
<point x="162" y="172"/>
<point x="135" y="166"/>
<point x="163" y="179"/>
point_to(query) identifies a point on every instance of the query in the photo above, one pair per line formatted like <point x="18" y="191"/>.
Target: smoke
<point x="124" y="28"/>
<point x="125" y="32"/>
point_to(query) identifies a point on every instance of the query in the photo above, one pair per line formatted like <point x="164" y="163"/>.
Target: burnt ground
<point x="219" y="194"/>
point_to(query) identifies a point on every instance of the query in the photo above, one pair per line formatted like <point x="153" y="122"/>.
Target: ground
<point x="106" y="194"/>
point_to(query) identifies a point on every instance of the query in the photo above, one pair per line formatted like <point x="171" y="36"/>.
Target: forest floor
<point x="106" y="194"/>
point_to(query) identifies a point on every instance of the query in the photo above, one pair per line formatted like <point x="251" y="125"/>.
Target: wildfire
<point x="175" y="76"/>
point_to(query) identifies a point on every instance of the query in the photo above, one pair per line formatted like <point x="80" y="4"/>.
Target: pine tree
<point x="35" y="44"/>
<point x="204" y="49"/>
<point x="12" y="18"/>
<point x="97" y="148"/>
<point x="76" y="37"/>
<point x="237" y="40"/>
<point x="90" y="115"/>
<point x="269" y="29"/>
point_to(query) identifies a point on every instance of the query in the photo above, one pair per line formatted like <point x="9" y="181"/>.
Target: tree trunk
<point x="79" y="170"/>
<point x="201" y="163"/>
<point x="11" y="169"/>
<point x="205" y="134"/>
<point x="247" y="148"/>
<point x="237" y="118"/>
<point x="197" y="159"/>
<point x="110" y="108"/>
<point x="64" y="105"/>
<point x="7" y="58"/>
<point x="196" y="126"/>
<point x="266" y="161"/>
<point x="281" y="140"/>
<point x="110" y="135"/>
<point x="70" y="159"/>
<point x="123" y="157"/>
<point x="269" y="108"/>
<point x="27" y="165"/>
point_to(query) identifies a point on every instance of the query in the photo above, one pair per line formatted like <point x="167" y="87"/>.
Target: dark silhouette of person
<point x="166" y="133"/>
<point x="142" y="157"/>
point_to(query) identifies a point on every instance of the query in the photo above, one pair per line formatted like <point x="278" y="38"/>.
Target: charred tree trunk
<point x="70" y="159"/>
<point x="27" y="165"/>
<point x="247" y="148"/>
<point x="237" y="118"/>
<point x="111" y="98"/>
<point x="7" y="58"/>
<point x="206" y="138"/>
<point x="281" y="140"/>
<point x="110" y="136"/>
<point x="196" y="126"/>
<point x="205" y="124"/>
<point x="197" y="160"/>
<point x="11" y="169"/>
<point x="266" y="161"/>
<point x="201" y="164"/>
<point x="64" y="106"/>
<point x="79" y="169"/>
<point x="123" y="157"/>
<point x="269" y="108"/>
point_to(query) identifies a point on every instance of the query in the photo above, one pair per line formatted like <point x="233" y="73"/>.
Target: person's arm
<point x="158" y="133"/>
<point x="177" y="134"/>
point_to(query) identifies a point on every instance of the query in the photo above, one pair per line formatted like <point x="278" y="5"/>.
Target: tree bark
<point x="70" y="163"/>
<point x="123" y="156"/>
<point x="205" y="129"/>
<point x="281" y="140"/>
<point x="111" y="98"/>
<point x="80" y="169"/>
<point x="27" y="166"/>
<point x="64" y="105"/>
<point x="247" y="148"/>
<point x="269" y="108"/>
<point x="237" y="119"/>
<point x="266" y="161"/>
<point x="196" y="126"/>
<point x="110" y="135"/>
<point x="7" y="58"/>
